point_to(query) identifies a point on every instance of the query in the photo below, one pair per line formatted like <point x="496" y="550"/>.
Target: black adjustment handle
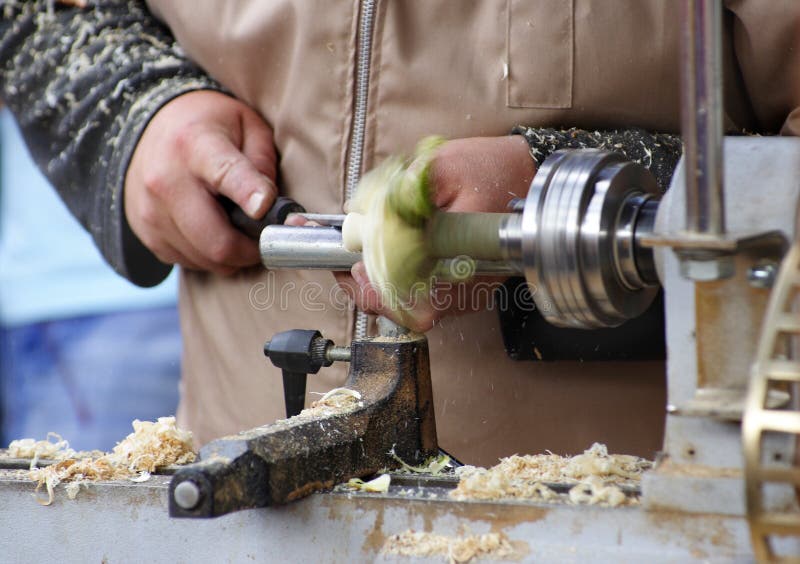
<point x="276" y="215"/>
<point x="294" y="392"/>
<point x="297" y="353"/>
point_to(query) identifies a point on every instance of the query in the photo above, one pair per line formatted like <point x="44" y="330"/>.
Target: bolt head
<point x="762" y="275"/>
<point x="186" y="495"/>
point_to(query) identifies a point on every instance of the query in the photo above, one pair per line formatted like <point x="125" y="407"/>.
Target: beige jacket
<point x="458" y="68"/>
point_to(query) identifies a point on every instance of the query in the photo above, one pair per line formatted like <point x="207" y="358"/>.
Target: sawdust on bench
<point x="595" y="475"/>
<point x="455" y="549"/>
<point x="152" y="445"/>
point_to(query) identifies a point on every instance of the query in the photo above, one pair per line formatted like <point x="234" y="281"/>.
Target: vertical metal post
<point x="701" y="117"/>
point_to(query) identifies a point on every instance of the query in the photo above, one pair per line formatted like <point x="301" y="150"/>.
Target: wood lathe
<point x="595" y="240"/>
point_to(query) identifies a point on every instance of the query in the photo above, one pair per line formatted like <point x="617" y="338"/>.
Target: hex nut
<point x="707" y="269"/>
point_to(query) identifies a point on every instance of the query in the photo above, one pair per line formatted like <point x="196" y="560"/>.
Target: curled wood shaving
<point x="54" y="447"/>
<point x="433" y="465"/>
<point x="593" y="491"/>
<point x="334" y="402"/>
<point x="455" y="549"/>
<point x="376" y="485"/>
<point x="31" y="448"/>
<point x="597" y="462"/>
<point x="151" y="445"/>
<point x="336" y="397"/>
<point x="596" y="475"/>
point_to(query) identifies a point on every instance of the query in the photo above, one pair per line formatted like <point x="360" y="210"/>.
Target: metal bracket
<point x="291" y="458"/>
<point x="722" y="374"/>
<point x="705" y="258"/>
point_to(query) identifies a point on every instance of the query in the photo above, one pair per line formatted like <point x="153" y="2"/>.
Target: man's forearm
<point x="83" y="84"/>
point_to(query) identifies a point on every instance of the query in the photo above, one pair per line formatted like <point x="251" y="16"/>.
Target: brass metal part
<point x="777" y="363"/>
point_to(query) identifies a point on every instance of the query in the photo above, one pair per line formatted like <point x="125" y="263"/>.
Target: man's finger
<point x="215" y="243"/>
<point x="168" y="254"/>
<point x="296" y="220"/>
<point x="347" y="284"/>
<point x="181" y="251"/>
<point x="216" y="161"/>
<point x="257" y="143"/>
<point x="367" y="296"/>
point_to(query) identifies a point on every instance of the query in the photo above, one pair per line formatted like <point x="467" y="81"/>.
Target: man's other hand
<point x="199" y="146"/>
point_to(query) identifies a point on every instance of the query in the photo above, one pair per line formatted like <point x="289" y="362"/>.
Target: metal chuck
<point x="578" y="239"/>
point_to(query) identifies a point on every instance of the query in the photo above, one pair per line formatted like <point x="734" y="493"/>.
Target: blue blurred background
<point x="82" y="351"/>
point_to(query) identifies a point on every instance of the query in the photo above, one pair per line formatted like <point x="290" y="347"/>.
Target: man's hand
<point x="481" y="173"/>
<point x="468" y="175"/>
<point x="199" y="146"/>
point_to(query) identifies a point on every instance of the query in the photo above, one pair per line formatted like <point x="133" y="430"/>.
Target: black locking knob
<point x="297" y="353"/>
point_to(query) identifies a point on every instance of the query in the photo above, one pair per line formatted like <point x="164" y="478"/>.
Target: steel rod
<point x="701" y="116"/>
<point x="320" y="248"/>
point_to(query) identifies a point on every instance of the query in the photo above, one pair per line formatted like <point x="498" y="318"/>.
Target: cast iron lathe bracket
<point x="291" y="458"/>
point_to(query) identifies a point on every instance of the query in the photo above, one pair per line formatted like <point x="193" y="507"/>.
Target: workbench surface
<point x="128" y="522"/>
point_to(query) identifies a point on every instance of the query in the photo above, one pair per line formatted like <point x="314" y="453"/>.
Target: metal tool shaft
<point x="321" y="248"/>
<point x="305" y="248"/>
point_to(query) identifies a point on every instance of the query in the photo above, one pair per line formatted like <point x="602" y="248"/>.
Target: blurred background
<point x="83" y="352"/>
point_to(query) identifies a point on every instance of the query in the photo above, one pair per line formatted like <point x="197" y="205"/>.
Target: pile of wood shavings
<point x="54" y="447"/>
<point x="151" y="445"/>
<point x="596" y="476"/>
<point x="455" y="549"/>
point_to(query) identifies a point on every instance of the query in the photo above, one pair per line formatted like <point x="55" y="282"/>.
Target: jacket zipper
<point x="356" y="150"/>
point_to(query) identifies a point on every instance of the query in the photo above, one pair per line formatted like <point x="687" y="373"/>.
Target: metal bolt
<point x="186" y="495"/>
<point x="707" y="269"/>
<point x="762" y="275"/>
<point x="319" y="351"/>
<point x="338" y="354"/>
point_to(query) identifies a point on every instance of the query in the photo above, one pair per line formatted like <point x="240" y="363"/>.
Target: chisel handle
<point x="253" y="227"/>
